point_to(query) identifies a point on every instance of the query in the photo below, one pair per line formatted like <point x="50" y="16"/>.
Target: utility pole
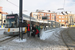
<point x="30" y="24"/>
<point x="20" y="20"/>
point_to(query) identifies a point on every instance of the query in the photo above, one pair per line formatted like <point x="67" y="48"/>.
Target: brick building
<point x="53" y="16"/>
<point x="43" y="15"/>
<point x="65" y="19"/>
<point x="62" y="19"/>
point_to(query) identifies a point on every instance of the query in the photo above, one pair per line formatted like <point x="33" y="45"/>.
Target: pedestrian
<point x="33" y="30"/>
<point x="38" y="28"/>
<point x="28" y="30"/>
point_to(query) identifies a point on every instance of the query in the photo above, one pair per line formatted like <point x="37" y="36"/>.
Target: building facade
<point x="43" y="15"/>
<point x="71" y="19"/>
<point x="53" y="16"/>
<point x="2" y="16"/>
<point x="66" y="19"/>
<point x="62" y="19"/>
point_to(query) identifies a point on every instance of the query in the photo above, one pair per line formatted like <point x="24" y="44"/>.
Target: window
<point x="62" y="20"/>
<point x="42" y="14"/>
<point x="54" y="15"/>
<point x="66" y="16"/>
<point x="48" y="14"/>
<point x="34" y="14"/>
<point x="62" y="17"/>
<point x="59" y="16"/>
<point x="48" y="17"/>
<point x="59" y="20"/>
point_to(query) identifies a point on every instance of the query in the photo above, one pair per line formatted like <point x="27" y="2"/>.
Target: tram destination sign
<point x="9" y="17"/>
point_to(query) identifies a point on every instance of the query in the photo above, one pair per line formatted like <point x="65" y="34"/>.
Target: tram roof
<point x="32" y="19"/>
<point x="24" y="15"/>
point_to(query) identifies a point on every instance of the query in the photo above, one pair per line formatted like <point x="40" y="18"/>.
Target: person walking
<point x="38" y="27"/>
<point x="33" y="30"/>
<point x="28" y="30"/>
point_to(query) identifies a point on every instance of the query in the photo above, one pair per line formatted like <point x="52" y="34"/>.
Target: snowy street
<point x="1" y="33"/>
<point x="49" y="39"/>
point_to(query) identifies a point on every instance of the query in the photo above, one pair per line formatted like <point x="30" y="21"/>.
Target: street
<point x="47" y="43"/>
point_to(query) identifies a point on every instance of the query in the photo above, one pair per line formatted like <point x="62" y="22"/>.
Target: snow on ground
<point x="46" y="34"/>
<point x="51" y="34"/>
<point x="19" y="40"/>
<point x="4" y="38"/>
<point x="1" y="31"/>
<point x="63" y="27"/>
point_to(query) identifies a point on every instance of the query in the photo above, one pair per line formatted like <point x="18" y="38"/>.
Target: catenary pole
<point x="20" y="20"/>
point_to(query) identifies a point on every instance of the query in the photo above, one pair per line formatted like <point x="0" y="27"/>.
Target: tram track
<point x="3" y="37"/>
<point x="64" y="39"/>
<point x="69" y="35"/>
<point x="7" y="39"/>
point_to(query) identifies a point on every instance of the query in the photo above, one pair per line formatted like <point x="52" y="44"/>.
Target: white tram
<point x="12" y="24"/>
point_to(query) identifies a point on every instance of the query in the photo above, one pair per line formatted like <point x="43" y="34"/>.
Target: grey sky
<point x="32" y="5"/>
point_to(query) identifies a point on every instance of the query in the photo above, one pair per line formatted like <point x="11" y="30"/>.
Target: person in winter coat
<point x="33" y="30"/>
<point x="28" y="30"/>
<point x="37" y="31"/>
<point x="38" y="27"/>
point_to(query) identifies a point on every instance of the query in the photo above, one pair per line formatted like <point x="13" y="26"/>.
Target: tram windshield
<point x="10" y="22"/>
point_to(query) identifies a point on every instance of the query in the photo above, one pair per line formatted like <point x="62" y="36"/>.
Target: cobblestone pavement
<point x="48" y="44"/>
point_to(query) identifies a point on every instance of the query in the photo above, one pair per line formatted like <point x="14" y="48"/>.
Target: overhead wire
<point x="13" y="3"/>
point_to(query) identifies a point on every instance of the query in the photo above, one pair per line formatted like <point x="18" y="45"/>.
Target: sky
<point x="33" y="5"/>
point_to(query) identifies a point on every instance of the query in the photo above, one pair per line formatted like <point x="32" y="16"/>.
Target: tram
<point x="12" y="23"/>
